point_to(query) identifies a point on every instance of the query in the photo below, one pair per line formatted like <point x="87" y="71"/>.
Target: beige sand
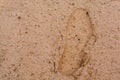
<point x="32" y="39"/>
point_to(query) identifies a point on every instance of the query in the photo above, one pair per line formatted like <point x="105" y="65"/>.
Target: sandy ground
<point x="32" y="39"/>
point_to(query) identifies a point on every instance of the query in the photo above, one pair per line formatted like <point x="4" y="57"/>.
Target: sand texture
<point x="59" y="39"/>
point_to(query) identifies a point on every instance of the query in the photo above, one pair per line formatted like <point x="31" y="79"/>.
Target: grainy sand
<point x="32" y="39"/>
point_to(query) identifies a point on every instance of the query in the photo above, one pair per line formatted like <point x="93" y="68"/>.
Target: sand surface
<point x="33" y="38"/>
